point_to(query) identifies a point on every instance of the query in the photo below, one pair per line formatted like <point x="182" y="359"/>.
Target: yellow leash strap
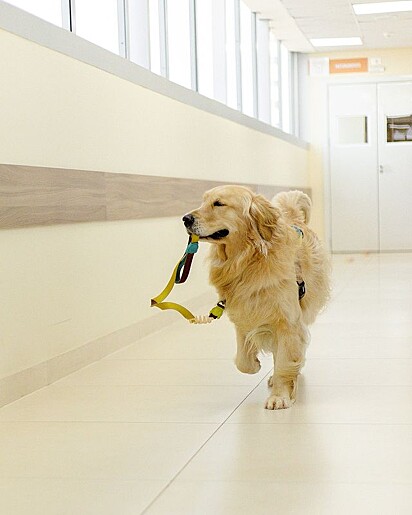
<point x="179" y="276"/>
<point x="176" y="278"/>
<point x="177" y="307"/>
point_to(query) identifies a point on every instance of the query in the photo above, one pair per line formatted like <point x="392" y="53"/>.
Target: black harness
<point x="300" y="282"/>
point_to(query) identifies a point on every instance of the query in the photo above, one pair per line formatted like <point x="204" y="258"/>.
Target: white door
<point x="370" y="131"/>
<point x="395" y="165"/>
<point x="354" y="168"/>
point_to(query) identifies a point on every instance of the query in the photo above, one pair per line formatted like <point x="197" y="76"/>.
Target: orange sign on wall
<point x="355" y="65"/>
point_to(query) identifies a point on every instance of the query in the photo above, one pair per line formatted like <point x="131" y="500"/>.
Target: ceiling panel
<point x="318" y="10"/>
<point x="297" y="21"/>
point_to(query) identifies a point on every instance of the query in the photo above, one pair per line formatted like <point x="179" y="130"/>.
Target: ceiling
<point x="296" y="21"/>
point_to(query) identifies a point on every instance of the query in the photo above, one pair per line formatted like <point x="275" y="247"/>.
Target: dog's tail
<point x="296" y="205"/>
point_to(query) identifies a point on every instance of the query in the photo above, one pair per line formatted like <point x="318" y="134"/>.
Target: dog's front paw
<point x="248" y="367"/>
<point x="278" y="402"/>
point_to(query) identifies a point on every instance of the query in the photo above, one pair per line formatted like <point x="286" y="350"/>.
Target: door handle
<point x="380" y="168"/>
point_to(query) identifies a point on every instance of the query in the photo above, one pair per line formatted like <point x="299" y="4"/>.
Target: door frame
<point x="327" y="182"/>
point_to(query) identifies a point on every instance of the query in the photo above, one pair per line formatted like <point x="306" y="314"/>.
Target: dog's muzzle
<point x="188" y="220"/>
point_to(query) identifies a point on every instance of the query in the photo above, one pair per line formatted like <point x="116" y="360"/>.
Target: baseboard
<point x="31" y="379"/>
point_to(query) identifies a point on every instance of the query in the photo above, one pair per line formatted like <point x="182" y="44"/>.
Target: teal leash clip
<point x="186" y="262"/>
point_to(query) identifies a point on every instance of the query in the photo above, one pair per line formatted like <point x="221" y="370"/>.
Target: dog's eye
<point x="218" y="204"/>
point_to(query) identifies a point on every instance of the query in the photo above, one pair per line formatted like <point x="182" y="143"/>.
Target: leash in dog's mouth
<point x="179" y="275"/>
<point x="218" y="235"/>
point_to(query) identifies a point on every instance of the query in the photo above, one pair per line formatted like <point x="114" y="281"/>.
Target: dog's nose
<point x="188" y="220"/>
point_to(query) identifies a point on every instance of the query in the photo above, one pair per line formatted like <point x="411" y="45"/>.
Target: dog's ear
<point x="264" y="217"/>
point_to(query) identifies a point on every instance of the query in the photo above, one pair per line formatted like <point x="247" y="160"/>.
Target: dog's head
<point x="232" y="214"/>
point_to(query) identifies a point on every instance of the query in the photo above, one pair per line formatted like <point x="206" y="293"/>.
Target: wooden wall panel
<point x="46" y="196"/>
<point x="32" y="196"/>
<point x="144" y="196"/>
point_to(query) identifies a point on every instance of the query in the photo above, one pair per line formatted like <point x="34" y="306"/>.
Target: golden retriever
<point x="261" y="251"/>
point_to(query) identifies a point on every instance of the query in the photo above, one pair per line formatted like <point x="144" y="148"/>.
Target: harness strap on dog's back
<point x="302" y="289"/>
<point x="298" y="230"/>
<point x="299" y="280"/>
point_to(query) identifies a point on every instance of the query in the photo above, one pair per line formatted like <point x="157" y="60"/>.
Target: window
<point x="275" y="81"/>
<point x="178" y="42"/>
<point x="97" y="21"/>
<point x="204" y="47"/>
<point x="352" y="130"/>
<point x="285" y="72"/>
<point x="49" y="10"/>
<point x="154" y="34"/>
<point x="138" y="21"/>
<point x="246" y="51"/>
<point x="399" y="128"/>
<point x="263" y="70"/>
<point x="210" y="49"/>
<point x="233" y="55"/>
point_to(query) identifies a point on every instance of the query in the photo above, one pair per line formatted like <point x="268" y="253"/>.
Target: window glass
<point x="399" y="128"/>
<point x="154" y="28"/>
<point x="274" y="81"/>
<point x="49" y="10"/>
<point x="204" y="41"/>
<point x="178" y="41"/>
<point x="263" y="71"/>
<point x="231" y="74"/>
<point x="352" y="130"/>
<point x="138" y="13"/>
<point x="96" y="21"/>
<point x="286" y="88"/>
<point x="246" y="59"/>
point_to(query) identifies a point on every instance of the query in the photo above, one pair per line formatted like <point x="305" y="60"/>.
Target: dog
<point x="271" y="271"/>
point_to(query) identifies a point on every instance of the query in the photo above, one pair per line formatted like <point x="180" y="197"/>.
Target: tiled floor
<point x="168" y="426"/>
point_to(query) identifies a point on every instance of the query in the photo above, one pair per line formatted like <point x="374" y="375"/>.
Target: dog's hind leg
<point x="288" y="361"/>
<point x="246" y="357"/>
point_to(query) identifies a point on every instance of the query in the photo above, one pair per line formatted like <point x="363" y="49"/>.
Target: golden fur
<point x="254" y="264"/>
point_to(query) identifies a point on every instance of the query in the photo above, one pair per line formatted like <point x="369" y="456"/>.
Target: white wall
<point x="63" y="286"/>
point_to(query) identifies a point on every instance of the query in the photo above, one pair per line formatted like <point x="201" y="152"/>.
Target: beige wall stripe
<point x="32" y="196"/>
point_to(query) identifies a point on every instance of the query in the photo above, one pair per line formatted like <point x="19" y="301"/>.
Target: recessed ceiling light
<point x="383" y="7"/>
<point x="336" y="41"/>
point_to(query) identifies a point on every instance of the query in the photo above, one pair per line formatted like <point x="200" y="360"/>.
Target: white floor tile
<point x="358" y="348"/>
<point x="378" y="329"/>
<point x="76" y="496"/>
<point x="332" y="404"/>
<point x="332" y="453"/>
<point x="62" y="403"/>
<point x="165" y="372"/>
<point x="267" y="497"/>
<point x="391" y="372"/>
<point x="185" y="341"/>
<point x="88" y="450"/>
